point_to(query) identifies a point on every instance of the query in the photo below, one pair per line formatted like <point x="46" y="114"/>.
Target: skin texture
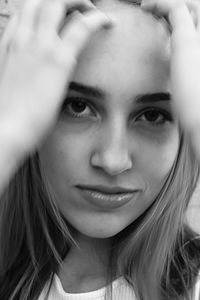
<point x="96" y="149"/>
<point x="112" y="144"/>
<point x="38" y="64"/>
<point x="183" y="18"/>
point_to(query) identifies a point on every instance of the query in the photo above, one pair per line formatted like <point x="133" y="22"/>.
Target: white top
<point x="121" y="290"/>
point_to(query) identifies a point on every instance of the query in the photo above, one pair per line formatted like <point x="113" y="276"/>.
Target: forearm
<point x="13" y="151"/>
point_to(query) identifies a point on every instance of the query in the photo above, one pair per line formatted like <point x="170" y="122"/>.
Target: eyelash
<point x="74" y="100"/>
<point x="166" y="116"/>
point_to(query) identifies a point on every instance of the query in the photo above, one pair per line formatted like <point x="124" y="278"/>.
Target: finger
<point x="6" y="39"/>
<point x="177" y="14"/>
<point x="9" y="31"/>
<point x="76" y="34"/>
<point x="30" y="13"/>
<point x="54" y="12"/>
<point x="198" y="18"/>
<point x="160" y="7"/>
<point x="184" y="31"/>
<point x="51" y="15"/>
<point x="82" y="5"/>
<point x="194" y="6"/>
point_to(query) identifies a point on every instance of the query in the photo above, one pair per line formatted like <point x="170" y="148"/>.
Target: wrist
<point x="14" y="144"/>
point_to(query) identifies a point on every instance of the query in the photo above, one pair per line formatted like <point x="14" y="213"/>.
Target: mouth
<point x="107" y="197"/>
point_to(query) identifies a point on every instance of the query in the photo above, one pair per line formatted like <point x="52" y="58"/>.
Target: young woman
<point x="100" y="149"/>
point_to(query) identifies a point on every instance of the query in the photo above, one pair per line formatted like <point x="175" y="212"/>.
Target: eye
<point x="77" y="107"/>
<point x="155" y="116"/>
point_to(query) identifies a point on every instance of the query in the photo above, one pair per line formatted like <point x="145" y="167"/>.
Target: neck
<point x="86" y="265"/>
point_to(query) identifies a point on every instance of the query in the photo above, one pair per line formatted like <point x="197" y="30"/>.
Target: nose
<point x="112" y="154"/>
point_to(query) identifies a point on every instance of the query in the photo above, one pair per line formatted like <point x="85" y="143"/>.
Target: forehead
<point x="137" y="45"/>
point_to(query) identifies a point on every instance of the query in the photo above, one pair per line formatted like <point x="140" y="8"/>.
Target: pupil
<point x="78" y="106"/>
<point x="152" y="116"/>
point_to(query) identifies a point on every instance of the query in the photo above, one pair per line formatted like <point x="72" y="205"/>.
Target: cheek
<point x="158" y="156"/>
<point x="63" y="155"/>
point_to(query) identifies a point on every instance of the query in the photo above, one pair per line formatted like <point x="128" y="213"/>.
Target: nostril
<point x="111" y="163"/>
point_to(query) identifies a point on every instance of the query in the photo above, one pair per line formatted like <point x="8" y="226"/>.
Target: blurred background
<point x="7" y="8"/>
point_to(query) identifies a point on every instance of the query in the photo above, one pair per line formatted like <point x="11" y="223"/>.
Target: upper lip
<point x="107" y="189"/>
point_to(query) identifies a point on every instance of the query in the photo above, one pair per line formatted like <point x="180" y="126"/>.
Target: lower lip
<point x="106" y="201"/>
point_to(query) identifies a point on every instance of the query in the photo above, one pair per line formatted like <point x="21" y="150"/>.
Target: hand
<point x="38" y="54"/>
<point x="184" y="21"/>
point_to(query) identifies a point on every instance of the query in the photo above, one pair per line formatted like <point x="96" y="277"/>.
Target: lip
<point x="106" y="189"/>
<point x="107" y="197"/>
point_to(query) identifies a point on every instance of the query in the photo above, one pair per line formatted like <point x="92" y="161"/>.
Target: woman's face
<point x="116" y="138"/>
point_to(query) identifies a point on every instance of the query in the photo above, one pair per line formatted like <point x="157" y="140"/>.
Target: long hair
<point x="157" y="254"/>
<point x="33" y="235"/>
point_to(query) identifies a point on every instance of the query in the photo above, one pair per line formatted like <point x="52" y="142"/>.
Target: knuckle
<point x="16" y="44"/>
<point x="20" y="39"/>
<point x="43" y="48"/>
<point x="89" y="22"/>
<point x="82" y="22"/>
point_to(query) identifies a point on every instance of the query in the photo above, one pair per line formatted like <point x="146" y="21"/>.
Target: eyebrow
<point x="87" y="90"/>
<point x="153" y="97"/>
<point x="96" y="92"/>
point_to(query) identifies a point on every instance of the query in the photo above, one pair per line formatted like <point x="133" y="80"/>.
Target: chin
<point x="98" y="225"/>
<point x="101" y="232"/>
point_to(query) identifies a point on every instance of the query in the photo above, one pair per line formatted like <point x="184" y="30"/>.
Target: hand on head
<point x="184" y="20"/>
<point x="40" y="48"/>
<point x="38" y="54"/>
